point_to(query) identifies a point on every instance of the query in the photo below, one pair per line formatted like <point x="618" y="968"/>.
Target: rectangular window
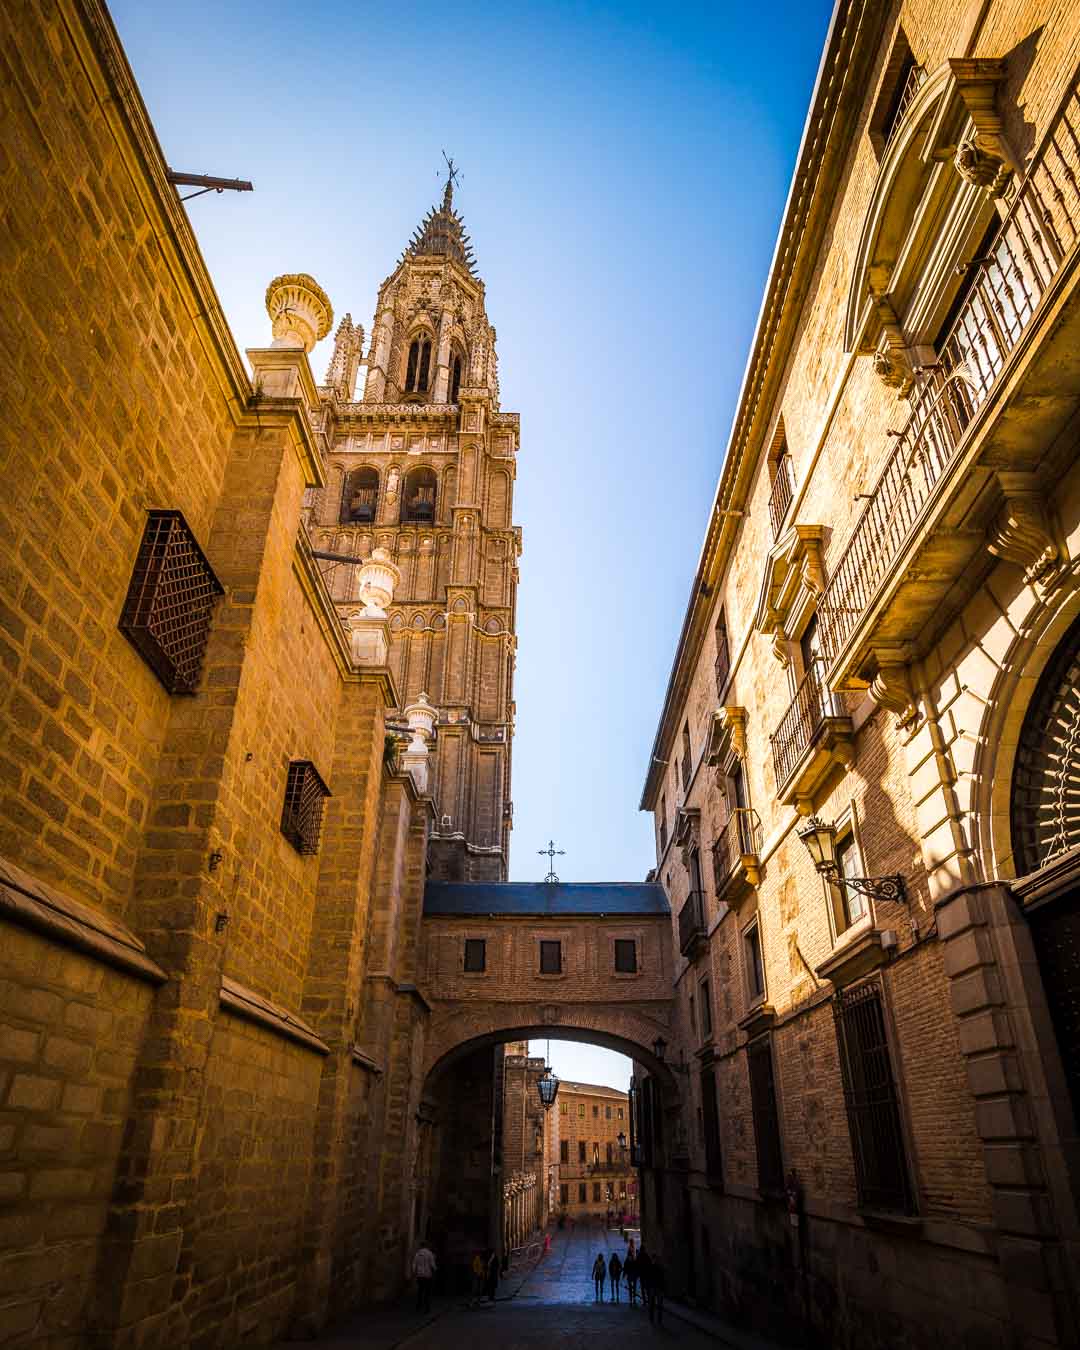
<point x="686" y="756"/>
<point x="475" y="954"/>
<point x="622" y="1190"/>
<point x="870" y="1096"/>
<point x="766" y="1118"/>
<point x="167" y="610"/>
<point x="581" y="1110"/>
<point x="663" y="822"/>
<point x="564" y="1195"/>
<point x="596" y="1112"/>
<point x="723" y="657"/>
<point x="596" y="1154"/>
<point x="853" y="905"/>
<point x="564" y="1150"/>
<point x="755" y="969"/>
<point x="596" y="1190"/>
<point x="620" y="1110"/>
<point x="607" y="1112"/>
<point x="550" y="958"/>
<point x="608" y="1158"/>
<point x="302" y="810"/>
<point x="581" y="1148"/>
<point x="626" y="956"/>
<point x="706" y="1011"/>
<point x="582" y="1194"/>
<point x="564" y="1109"/>
<point x="711" y="1122"/>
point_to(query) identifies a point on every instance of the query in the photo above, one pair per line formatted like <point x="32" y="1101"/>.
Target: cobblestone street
<point x="553" y="1303"/>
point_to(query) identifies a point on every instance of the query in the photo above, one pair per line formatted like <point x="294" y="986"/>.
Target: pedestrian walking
<point x="658" y="1286"/>
<point x="644" y="1268"/>
<point x="630" y="1272"/>
<point x="477" y="1268"/>
<point x="615" y="1270"/>
<point x="599" y="1274"/>
<point x="491" y="1275"/>
<point x="424" y="1267"/>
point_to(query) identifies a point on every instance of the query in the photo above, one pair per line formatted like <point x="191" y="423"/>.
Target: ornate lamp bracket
<point x="890" y="888"/>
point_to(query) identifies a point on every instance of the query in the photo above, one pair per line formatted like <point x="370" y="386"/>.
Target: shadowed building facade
<point x="865" y="777"/>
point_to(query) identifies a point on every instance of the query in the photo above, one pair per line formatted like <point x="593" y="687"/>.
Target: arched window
<point x="418" y="367"/>
<point x="359" y="497"/>
<point x="455" y="376"/>
<point x="418" y="499"/>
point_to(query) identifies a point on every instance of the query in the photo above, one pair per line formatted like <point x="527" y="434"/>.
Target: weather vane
<point x="453" y="174"/>
<point x="551" y="853"/>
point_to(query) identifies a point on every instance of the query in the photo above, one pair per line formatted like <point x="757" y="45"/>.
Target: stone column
<point x="997" y="997"/>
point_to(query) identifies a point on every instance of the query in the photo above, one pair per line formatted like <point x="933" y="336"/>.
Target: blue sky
<point x="624" y="171"/>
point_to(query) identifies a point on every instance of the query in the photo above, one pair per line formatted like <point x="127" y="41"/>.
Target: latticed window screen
<point x="873" y="1110"/>
<point x="1046" y="779"/>
<point x="301" y="815"/>
<point x="166" y="615"/>
<point x="766" y="1119"/>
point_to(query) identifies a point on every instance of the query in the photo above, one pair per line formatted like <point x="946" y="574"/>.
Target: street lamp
<point x="820" y="840"/>
<point x="659" y="1046"/>
<point x="547" y="1085"/>
<point x="621" y="1138"/>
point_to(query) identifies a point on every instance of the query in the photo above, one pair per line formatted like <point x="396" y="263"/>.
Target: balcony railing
<point x="916" y="75"/>
<point x="691" y="922"/>
<point x="739" y="839"/>
<point x="783" y="489"/>
<point x="1029" y="250"/>
<point x="804" y="721"/>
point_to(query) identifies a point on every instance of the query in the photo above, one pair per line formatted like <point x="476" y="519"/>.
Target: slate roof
<point x="545" y="897"/>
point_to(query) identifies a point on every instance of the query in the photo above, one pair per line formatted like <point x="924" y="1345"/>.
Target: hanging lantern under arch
<point x="547" y="1085"/>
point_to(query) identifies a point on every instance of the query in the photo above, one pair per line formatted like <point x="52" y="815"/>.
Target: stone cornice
<point x="108" y="73"/>
<point x="835" y="108"/>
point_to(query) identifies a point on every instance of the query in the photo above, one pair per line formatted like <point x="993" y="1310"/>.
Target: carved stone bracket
<point x="891" y="687"/>
<point x="892" y="365"/>
<point x="1022" y="532"/>
<point x="984" y="157"/>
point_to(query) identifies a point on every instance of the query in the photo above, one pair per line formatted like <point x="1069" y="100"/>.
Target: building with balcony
<point x="866" y="774"/>
<point x="592" y="1148"/>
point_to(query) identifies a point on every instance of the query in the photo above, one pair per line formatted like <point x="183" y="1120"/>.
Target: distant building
<point x="593" y="1172"/>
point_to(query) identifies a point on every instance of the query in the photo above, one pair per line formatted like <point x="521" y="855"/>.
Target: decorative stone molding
<point x="687" y="827"/>
<point x="378" y="577"/>
<point x="300" y="311"/>
<point x="794" y="579"/>
<point x="1022" y="532"/>
<point x="727" y="736"/>
<point x="983" y="157"/>
<point x="891" y="687"/>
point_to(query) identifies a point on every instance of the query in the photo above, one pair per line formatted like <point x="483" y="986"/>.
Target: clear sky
<point x="586" y="1063"/>
<point x="624" y="171"/>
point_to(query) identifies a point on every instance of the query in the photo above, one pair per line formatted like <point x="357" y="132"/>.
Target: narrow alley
<point x="552" y="1302"/>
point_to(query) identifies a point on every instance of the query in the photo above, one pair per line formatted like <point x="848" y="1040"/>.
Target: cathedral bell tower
<point x="423" y="466"/>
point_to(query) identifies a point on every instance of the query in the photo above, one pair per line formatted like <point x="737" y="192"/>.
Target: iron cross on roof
<point x="551" y="853"/>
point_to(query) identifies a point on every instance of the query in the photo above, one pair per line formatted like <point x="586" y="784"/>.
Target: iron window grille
<point x="475" y="955"/>
<point x="550" y="958"/>
<point x="766" y="1117"/>
<point x="723" y="655"/>
<point x="626" y="957"/>
<point x="783" y="491"/>
<point x="873" y="1108"/>
<point x="173" y="590"/>
<point x="301" y="816"/>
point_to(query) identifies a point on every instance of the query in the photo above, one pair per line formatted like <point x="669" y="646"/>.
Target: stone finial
<point x="378" y="577"/>
<point x="421" y="719"/>
<point x="299" y="309"/>
<point x="348" y="349"/>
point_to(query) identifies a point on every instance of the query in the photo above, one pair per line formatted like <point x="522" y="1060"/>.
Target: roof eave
<point x="770" y="347"/>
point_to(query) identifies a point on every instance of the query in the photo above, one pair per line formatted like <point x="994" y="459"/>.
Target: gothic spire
<point x="442" y="231"/>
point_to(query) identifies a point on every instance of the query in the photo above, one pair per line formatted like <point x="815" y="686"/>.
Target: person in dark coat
<point x="599" y="1274"/>
<point x="630" y="1271"/>
<point x="491" y="1275"/>
<point x="614" y="1270"/>
<point x="644" y="1271"/>
<point x="657" y="1290"/>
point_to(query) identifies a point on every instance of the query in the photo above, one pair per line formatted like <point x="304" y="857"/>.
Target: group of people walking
<point x="639" y="1269"/>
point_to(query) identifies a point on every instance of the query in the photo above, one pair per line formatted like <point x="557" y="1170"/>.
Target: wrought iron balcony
<point x="1035" y="241"/>
<point x="692" y="922"/>
<point x="916" y="75"/>
<point x="737" y="851"/>
<point x="783" y="490"/>
<point x="814" y="733"/>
